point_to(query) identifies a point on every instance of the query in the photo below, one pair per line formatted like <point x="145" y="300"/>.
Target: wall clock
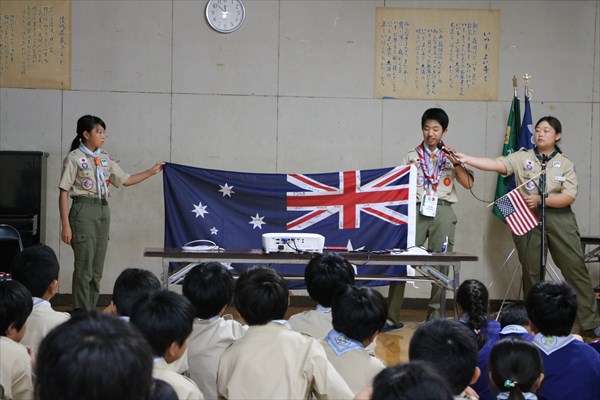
<point x="225" y="16"/>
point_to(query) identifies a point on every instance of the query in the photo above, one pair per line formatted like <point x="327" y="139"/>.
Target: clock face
<point x="225" y="15"/>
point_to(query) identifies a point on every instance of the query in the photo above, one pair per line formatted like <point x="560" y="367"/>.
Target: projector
<point x="293" y="242"/>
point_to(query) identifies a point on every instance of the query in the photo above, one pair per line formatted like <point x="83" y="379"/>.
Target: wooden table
<point x="423" y="264"/>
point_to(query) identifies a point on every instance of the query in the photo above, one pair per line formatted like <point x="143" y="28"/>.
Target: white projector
<point x="293" y="242"/>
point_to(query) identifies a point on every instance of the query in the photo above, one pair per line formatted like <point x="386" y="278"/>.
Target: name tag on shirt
<point x="560" y="178"/>
<point x="429" y="204"/>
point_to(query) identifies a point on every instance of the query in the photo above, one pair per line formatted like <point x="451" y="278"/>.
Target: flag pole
<point x="528" y="180"/>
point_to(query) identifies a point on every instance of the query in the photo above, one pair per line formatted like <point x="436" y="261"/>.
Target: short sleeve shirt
<point x="79" y="174"/>
<point x="446" y="189"/>
<point x="560" y="173"/>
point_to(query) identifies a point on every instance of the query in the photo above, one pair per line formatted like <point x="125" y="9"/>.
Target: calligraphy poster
<point x="447" y="54"/>
<point x="35" y="44"/>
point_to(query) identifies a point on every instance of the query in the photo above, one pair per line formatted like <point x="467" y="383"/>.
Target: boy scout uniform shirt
<point x="79" y="174"/>
<point x="446" y="189"/>
<point x="560" y="173"/>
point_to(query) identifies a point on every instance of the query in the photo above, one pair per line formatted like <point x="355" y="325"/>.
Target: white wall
<point x="292" y="91"/>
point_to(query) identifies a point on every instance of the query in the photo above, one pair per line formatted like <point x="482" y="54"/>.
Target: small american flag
<point x="518" y="216"/>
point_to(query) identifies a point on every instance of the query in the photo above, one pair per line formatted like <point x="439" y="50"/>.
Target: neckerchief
<point x="100" y="179"/>
<point x="549" y="344"/>
<point x="527" y="395"/>
<point x="542" y="179"/>
<point x="321" y="309"/>
<point x="432" y="173"/>
<point x="282" y="322"/>
<point x="508" y="329"/>
<point x="341" y="343"/>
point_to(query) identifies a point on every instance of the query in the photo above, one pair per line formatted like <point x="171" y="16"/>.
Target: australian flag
<point x="368" y="210"/>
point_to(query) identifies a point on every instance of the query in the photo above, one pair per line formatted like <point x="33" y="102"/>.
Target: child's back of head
<point x="472" y="297"/>
<point x="451" y="348"/>
<point x="359" y="313"/>
<point x="261" y="295"/>
<point x="552" y="308"/>
<point x="36" y="267"/>
<point x="514" y="314"/>
<point x="131" y="285"/>
<point x="415" y="380"/>
<point x="326" y="275"/>
<point x="164" y="318"/>
<point x="209" y="287"/>
<point x="515" y="367"/>
<point x="15" y="306"/>
<point x="93" y="356"/>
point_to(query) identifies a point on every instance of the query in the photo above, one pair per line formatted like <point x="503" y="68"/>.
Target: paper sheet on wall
<point x="35" y="44"/>
<point x="437" y="53"/>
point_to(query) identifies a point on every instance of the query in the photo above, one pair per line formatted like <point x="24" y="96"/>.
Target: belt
<point x="441" y="203"/>
<point x="89" y="200"/>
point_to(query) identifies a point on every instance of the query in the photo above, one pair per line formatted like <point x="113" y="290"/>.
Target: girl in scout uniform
<point x="562" y="233"/>
<point x="87" y="173"/>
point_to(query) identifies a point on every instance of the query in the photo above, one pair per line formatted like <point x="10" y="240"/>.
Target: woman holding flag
<point x="562" y="233"/>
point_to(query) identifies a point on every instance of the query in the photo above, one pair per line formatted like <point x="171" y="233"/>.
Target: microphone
<point x="443" y="148"/>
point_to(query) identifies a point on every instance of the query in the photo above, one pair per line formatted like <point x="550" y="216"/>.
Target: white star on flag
<point x="214" y="231"/>
<point x="226" y="190"/>
<point x="257" y="221"/>
<point x="200" y="210"/>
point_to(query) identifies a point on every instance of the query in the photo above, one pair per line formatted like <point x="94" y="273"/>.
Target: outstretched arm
<point x="142" y="176"/>
<point x="482" y="163"/>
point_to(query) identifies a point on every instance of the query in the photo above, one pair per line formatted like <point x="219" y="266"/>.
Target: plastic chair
<point x="10" y="245"/>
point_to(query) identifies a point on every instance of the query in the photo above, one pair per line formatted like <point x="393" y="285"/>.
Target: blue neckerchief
<point x="322" y="309"/>
<point x="282" y="322"/>
<point x="549" y="344"/>
<point x="527" y="395"/>
<point x="341" y="343"/>
<point x="99" y="171"/>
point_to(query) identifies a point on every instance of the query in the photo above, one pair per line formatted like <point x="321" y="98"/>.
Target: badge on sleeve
<point x="87" y="183"/>
<point x="104" y="162"/>
<point x="83" y="162"/>
<point x="556" y="164"/>
<point x="529" y="165"/>
<point x="530" y="186"/>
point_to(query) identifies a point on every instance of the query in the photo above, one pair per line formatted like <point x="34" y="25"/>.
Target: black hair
<point x="87" y="123"/>
<point x="450" y="347"/>
<point x="131" y="285"/>
<point x="163" y="318"/>
<point x="161" y="390"/>
<point x="472" y="296"/>
<point x="514" y="314"/>
<point x="555" y="124"/>
<point x="326" y="275"/>
<point x="552" y="307"/>
<point x="209" y="287"/>
<point x="435" y="114"/>
<point x="15" y="305"/>
<point x="36" y="267"/>
<point x="515" y="365"/>
<point x="261" y="295"/>
<point x="93" y="356"/>
<point x="415" y="380"/>
<point x="359" y="312"/>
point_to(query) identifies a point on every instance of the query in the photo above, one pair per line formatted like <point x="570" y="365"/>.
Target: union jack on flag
<point x="368" y="209"/>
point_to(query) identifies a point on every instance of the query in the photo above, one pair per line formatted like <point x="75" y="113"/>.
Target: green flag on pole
<point x="507" y="183"/>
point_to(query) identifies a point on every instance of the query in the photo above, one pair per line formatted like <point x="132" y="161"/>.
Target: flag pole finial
<point x="526" y="80"/>
<point x="515" y="85"/>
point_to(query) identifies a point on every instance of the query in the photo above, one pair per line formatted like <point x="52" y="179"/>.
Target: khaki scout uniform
<point x="89" y="218"/>
<point x="434" y="230"/>
<point x="562" y="232"/>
